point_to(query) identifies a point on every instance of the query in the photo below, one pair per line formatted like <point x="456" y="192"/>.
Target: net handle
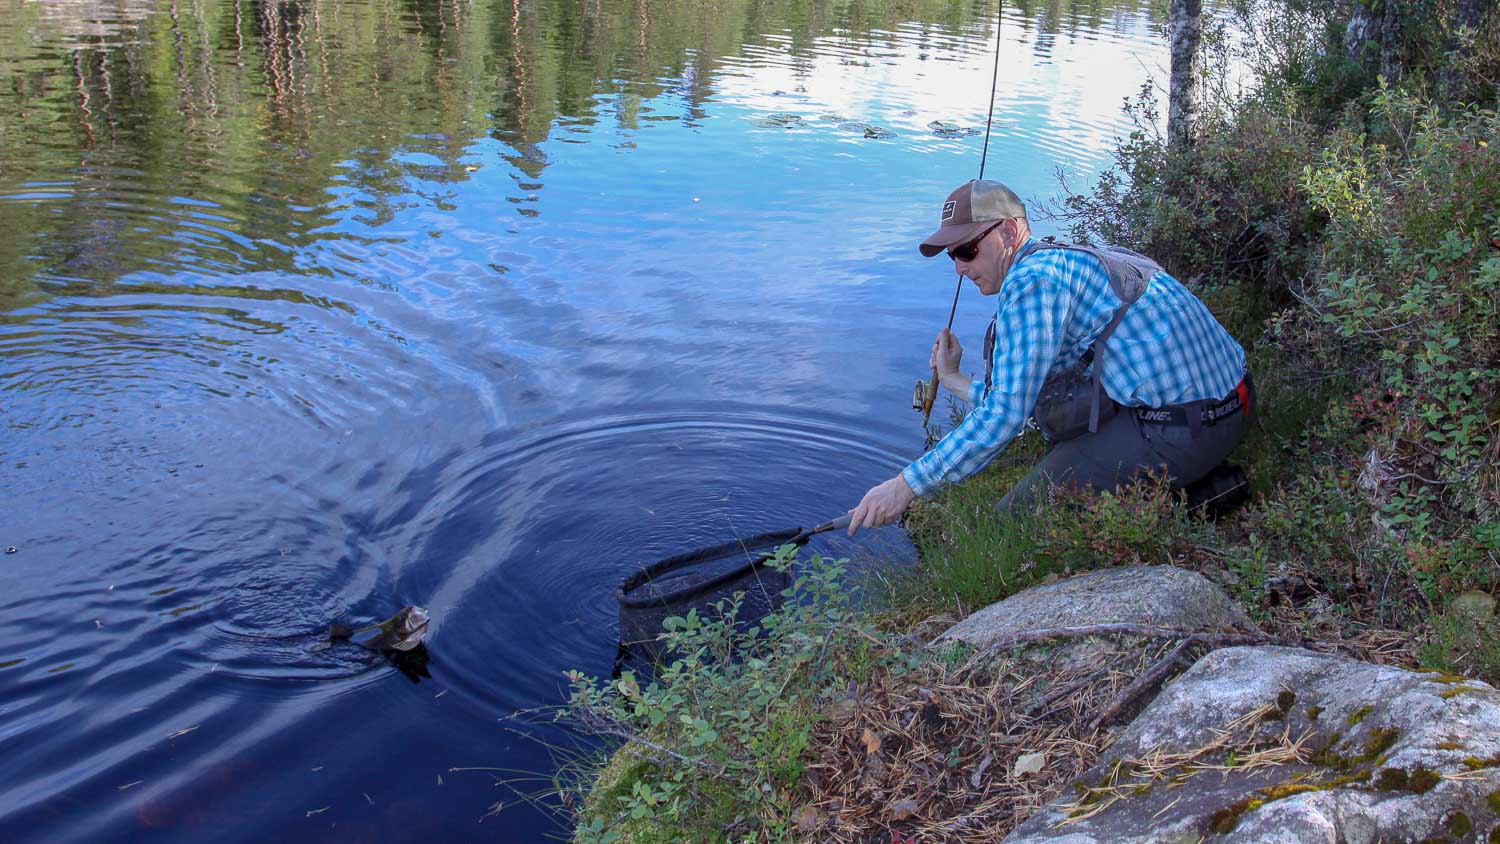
<point x="766" y="550"/>
<point x="841" y="523"/>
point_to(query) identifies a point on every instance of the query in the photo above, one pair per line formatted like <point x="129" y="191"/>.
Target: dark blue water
<point x="312" y="310"/>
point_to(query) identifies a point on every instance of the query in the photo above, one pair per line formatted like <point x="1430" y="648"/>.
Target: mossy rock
<point x="1154" y="595"/>
<point x="1459" y="824"/>
<point x="1386" y="766"/>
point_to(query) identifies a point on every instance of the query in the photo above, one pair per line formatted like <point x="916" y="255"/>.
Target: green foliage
<point x="1143" y="523"/>
<point x="972" y="555"/>
<point x="721" y="733"/>
<point x="1230" y="208"/>
<point x="1294" y="50"/>
<point x="1317" y="527"/>
<point x="1410" y="287"/>
<point x="1462" y="643"/>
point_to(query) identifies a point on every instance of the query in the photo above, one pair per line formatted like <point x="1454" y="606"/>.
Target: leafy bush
<point x="1410" y="291"/>
<point x="1384" y="505"/>
<point x="1364" y="228"/>
<point x="716" y="742"/>
<point x="1228" y="209"/>
<point x="1142" y="523"/>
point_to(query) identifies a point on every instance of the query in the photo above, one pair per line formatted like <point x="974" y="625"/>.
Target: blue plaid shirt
<point x="1168" y="350"/>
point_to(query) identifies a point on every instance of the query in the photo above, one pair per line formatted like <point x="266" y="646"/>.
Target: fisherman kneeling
<point x="1123" y="370"/>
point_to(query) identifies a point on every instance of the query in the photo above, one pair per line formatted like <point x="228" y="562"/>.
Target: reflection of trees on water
<point x="212" y="135"/>
<point x="75" y="24"/>
<point x="1066" y="17"/>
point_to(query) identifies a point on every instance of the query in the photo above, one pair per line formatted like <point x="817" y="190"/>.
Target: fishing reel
<point x="922" y="395"/>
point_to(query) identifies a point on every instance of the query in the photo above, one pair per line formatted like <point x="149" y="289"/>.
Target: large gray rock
<point x="1376" y="754"/>
<point x="1157" y="595"/>
<point x="1479" y="606"/>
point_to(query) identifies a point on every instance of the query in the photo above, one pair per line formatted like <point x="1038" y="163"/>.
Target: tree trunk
<point x="1470" y="15"/>
<point x="1375" y="31"/>
<point x="1186" y="83"/>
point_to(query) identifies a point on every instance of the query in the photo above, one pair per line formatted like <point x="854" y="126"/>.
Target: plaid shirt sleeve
<point x="1036" y="305"/>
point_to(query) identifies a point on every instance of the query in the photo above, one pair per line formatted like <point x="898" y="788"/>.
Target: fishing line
<point x="984" y="154"/>
<point x="994" y="83"/>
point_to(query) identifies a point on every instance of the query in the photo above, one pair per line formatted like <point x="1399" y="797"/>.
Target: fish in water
<point x="403" y="631"/>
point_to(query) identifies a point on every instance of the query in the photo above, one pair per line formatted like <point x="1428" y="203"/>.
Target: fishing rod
<point x="926" y="394"/>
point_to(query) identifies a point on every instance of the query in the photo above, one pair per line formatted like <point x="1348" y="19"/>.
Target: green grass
<point x="1461" y="643"/>
<point x="971" y="555"/>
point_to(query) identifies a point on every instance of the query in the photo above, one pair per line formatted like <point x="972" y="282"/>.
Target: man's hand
<point x="947" y="355"/>
<point x="882" y="505"/>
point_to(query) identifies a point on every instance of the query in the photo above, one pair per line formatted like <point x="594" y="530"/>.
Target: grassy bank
<point x="1346" y="227"/>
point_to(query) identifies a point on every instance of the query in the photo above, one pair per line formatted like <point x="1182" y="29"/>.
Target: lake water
<point x="312" y="310"/>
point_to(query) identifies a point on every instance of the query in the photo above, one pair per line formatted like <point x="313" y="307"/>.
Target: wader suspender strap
<point x="1097" y="347"/>
<point x="1129" y="274"/>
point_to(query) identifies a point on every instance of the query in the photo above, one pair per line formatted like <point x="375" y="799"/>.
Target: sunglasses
<point x="969" y="251"/>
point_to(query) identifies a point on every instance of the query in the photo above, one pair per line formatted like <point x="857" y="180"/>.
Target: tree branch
<point x="701" y="764"/>
<point x="1150" y="680"/>
<point x="1025" y="636"/>
<point x="1159" y="672"/>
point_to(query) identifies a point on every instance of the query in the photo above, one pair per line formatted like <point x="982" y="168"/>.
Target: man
<point x="1079" y="321"/>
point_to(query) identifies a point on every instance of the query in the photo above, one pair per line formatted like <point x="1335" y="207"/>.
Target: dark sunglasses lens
<point x="965" y="253"/>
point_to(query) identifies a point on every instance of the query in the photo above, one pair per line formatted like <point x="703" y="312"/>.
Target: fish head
<point x="413" y="621"/>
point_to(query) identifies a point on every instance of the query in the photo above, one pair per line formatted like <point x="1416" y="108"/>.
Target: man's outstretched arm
<point x="1032" y="322"/>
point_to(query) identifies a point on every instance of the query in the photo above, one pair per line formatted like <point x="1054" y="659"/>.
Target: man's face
<point x="991" y="258"/>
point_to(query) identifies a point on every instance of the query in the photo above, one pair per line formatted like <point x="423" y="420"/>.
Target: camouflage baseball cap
<point x="971" y="208"/>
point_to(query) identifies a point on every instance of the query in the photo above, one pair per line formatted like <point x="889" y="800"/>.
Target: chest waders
<point x="1074" y="401"/>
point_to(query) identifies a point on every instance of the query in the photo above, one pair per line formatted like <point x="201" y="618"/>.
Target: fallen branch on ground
<point x="1147" y="630"/>
<point x="633" y="738"/>
<point x="1154" y="676"/>
<point x="1158" y="673"/>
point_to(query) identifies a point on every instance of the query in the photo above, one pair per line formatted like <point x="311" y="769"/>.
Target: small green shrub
<point x="1228" y="209"/>
<point x="720" y="735"/>
<point x="1461" y="643"/>
<point x="1142" y="523"/>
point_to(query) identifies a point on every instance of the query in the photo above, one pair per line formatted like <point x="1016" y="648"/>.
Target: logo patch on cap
<point x="948" y="208"/>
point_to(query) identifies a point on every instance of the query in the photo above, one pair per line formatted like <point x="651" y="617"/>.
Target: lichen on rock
<point x="1380" y="765"/>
